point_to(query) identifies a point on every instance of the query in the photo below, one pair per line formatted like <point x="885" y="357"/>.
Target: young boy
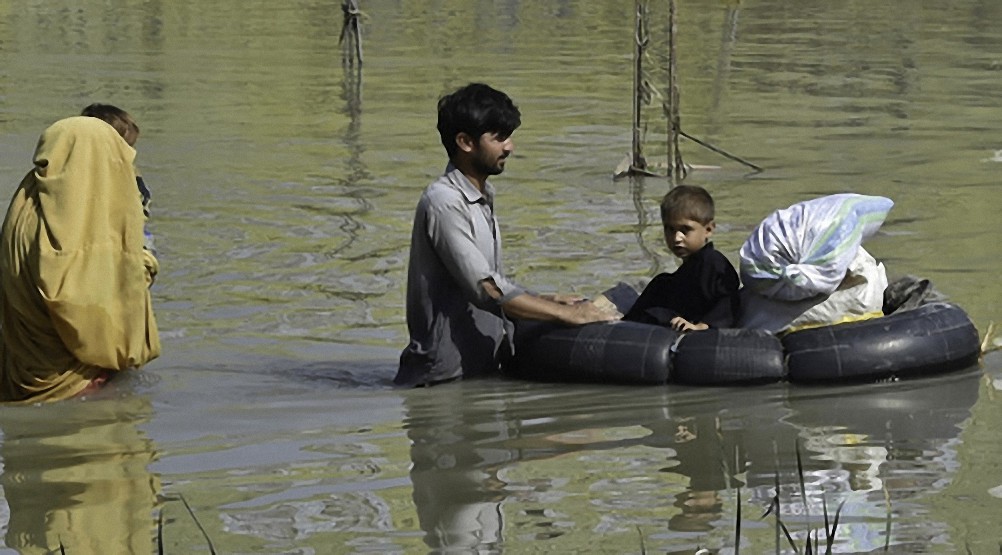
<point x="683" y="299"/>
<point x="126" y="126"/>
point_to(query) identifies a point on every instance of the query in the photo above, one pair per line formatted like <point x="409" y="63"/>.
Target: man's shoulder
<point x="440" y="185"/>
<point x="440" y="192"/>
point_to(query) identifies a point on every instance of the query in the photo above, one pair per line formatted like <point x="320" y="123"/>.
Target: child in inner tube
<point x="682" y="300"/>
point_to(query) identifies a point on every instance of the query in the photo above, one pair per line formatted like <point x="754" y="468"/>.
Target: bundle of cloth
<point x="804" y="266"/>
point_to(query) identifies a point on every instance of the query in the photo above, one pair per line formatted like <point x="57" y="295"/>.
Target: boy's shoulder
<point x="709" y="257"/>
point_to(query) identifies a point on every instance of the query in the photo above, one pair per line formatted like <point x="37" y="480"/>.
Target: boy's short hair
<point x="117" y="118"/>
<point x="688" y="202"/>
<point x="476" y="109"/>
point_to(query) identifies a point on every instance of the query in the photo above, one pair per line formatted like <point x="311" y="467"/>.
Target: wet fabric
<point x="74" y="277"/>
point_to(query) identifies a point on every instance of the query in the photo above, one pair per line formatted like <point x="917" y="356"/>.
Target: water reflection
<point x="75" y="477"/>
<point x="890" y="445"/>
<point x="638" y="194"/>
<point x="728" y="38"/>
<point x="357" y="174"/>
<point x="456" y="455"/>
<point x="857" y="444"/>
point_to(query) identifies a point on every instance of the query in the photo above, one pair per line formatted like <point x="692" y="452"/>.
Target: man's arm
<point x="531" y="307"/>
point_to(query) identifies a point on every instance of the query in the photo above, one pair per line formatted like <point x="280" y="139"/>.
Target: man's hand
<point x="564" y="299"/>
<point x="586" y="312"/>
<point x="569" y="309"/>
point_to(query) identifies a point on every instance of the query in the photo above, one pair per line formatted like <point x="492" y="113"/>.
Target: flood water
<point x="284" y="184"/>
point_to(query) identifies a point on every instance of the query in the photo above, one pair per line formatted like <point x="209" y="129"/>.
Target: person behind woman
<point x="75" y="305"/>
<point x="125" y="124"/>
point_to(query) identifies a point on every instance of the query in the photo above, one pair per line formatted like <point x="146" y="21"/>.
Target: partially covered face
<point x="685" y="237"/>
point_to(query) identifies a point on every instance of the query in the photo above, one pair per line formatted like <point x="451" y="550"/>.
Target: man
<point x="459" y="302"/>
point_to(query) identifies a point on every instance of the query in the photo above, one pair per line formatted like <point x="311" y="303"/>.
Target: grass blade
<point x="831" y="536"/>
<point x="160" y="533"/>
<point x="887" y="528"/>
<point x="737" y="525"/>
<point x="775" y="499"/>
<point x="803" y="488"/>
<point x="789" y="537"/>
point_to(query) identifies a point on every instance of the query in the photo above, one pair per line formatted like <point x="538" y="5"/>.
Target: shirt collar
<point x="701" y="253"/>
<point x="469" y="190"/>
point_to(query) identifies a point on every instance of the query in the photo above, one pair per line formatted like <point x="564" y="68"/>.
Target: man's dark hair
<point x="476" y="109"/>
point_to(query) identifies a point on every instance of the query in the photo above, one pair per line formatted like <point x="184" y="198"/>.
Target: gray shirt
<point x="456" y="329"/>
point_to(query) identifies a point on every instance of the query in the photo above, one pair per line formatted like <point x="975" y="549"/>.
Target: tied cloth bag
<point x="804" y="265"/>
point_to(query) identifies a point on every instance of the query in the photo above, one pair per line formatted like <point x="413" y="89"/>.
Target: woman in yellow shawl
<point x="75" y="304"/>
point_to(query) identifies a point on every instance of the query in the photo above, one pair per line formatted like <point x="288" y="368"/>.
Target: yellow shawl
<point x="74" y="277"/>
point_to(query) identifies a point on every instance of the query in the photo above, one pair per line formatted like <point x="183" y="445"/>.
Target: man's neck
<point x="479" y="180"/>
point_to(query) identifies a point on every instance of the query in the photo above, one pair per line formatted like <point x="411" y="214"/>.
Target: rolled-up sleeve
<point x="462" y="235"/>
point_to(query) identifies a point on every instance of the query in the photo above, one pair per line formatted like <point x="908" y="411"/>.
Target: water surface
<point x="284" y="184"/>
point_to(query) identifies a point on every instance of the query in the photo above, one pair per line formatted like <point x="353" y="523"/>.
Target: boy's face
<point x="685" y="237"/>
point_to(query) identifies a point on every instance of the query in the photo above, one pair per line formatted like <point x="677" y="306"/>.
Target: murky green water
<point x="284" y="185"/>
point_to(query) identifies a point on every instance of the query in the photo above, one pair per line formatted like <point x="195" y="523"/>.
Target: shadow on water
<point x="341" y="375"/>
<point x="468" y="441"/>
<point x="75" y="477"/>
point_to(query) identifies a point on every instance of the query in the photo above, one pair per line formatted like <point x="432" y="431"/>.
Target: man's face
<point x="490" y="153"/>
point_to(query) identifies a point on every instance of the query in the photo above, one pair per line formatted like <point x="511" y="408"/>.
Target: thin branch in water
<point x="719" y="151"/>
<point x="205" y="534"/>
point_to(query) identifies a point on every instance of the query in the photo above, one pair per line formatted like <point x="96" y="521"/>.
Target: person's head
<point x="475" y="124"/>
<point x="687" y="217"/>
<point x="117" y="118"/>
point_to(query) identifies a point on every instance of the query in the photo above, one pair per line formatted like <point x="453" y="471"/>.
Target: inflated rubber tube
<point x="728" y="357"/>
<point x="616" y="352"/>
<point x="934" y="338"/>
